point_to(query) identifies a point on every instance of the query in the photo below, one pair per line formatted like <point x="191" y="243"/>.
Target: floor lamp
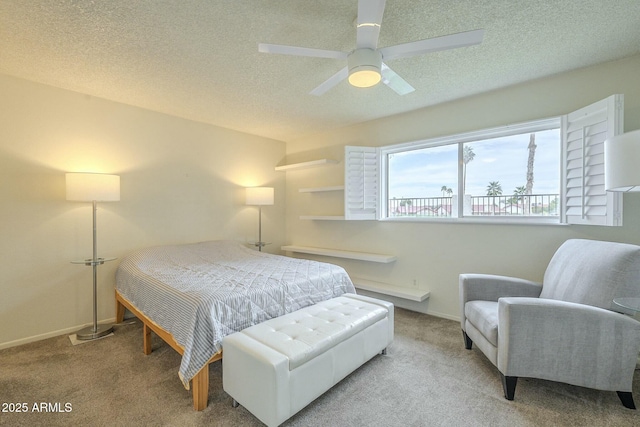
<point x="260" y="196"/>
<point x="92" y="187"/>
<point x="622" y="174"/>
<point x="622" y="162"/>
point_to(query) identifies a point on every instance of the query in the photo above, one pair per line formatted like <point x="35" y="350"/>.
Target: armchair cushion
<point x="593" y="272"/>
<point x="490" y="287"/>
<point x="484" y="316"/>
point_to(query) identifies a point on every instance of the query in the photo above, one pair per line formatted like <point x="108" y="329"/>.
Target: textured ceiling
<point x="199" y="59"/>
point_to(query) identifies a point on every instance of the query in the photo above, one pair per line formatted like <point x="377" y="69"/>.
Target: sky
<point x="422" y="173"/>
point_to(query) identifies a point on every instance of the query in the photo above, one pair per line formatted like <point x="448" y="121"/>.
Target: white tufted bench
<point x="276" y="368"/>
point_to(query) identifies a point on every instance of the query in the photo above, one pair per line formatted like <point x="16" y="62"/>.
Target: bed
<point x="193" y="295"/>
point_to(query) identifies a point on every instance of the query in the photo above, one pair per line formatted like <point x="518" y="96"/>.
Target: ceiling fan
<point x="365" y="66"/>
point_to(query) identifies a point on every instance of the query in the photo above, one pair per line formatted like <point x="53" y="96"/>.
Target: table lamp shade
<point x="87" y="187"/>
<point x="260" y="196"/>
<point x="622" y="162"/>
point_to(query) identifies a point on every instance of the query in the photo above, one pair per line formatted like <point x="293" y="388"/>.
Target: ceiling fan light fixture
<point x="365" y="76"/>
<point x="368" y="24"/>
<point x="364" y="67"/>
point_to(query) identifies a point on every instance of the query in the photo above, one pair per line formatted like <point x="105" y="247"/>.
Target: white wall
<point x="434" y="254"/>
<point x="181" y="181"/>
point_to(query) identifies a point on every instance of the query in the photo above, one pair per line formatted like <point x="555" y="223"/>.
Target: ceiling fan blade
<point x="394" y="81"/>
<point x="435" y="44"/>
<point x="331" y="82"/>
<point x="368" y="24"/>
<point x="301" y="51"/>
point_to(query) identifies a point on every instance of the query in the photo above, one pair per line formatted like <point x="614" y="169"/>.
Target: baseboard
<point x="444" y="316"/>
<point x="51" y="334"/>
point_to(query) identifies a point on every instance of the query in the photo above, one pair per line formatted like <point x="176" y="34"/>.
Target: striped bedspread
<point x="201" y="292"/>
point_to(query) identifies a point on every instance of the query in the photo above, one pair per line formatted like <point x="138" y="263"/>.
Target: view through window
<point x="508" y="175"/>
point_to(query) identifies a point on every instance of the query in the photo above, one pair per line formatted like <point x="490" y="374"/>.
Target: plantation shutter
<point x="583" y="135"/>
<point x="361" y="177"/>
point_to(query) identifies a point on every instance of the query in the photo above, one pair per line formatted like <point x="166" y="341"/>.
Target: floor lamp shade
<point x="260" y="196"/>
<point x="87" y="187"/>
<point x="622" y="162"/>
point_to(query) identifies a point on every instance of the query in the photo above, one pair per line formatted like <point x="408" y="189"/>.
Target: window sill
<point x="484" y="220"/>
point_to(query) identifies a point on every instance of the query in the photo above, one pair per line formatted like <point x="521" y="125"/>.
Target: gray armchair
<point x="563" y="329"/>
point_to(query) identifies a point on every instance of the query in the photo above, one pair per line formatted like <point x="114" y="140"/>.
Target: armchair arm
<point x="490" y="287"/>
<point x="567" y="342"/>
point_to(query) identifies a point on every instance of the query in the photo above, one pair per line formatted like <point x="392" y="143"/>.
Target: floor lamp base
<point x="89" y="333"/>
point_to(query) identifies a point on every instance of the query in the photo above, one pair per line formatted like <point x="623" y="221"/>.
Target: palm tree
<point x="518" y="194"/>
<point x="446" y="190"/>
<point x="467" y="156"/>
<point x="406" y="202"/>
<point x="520" y="190"/>
<point x="529" y="189"/>
<point x="532" y="153"/>
<point x="494" y="189"/>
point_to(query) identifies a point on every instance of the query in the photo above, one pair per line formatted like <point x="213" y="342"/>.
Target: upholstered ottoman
<point x="276" y="368"/>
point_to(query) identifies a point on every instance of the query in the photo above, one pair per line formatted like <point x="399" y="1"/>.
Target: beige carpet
<point x="426" y="379"/>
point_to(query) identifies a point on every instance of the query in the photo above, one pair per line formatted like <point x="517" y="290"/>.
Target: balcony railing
<point x="446" y="207"/>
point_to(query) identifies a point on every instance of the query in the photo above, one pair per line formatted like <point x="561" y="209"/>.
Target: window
<point x="543" y="171"/>
<point x="422" y="182"/>
<point x="513" y="171"/>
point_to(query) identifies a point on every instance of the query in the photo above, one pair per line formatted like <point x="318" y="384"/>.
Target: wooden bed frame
<point x="199" y="383"/>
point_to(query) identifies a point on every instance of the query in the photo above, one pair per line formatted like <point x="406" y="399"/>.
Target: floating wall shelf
<point x="321" y="189"/>
<point x="412" y="294"/>
<point x="306" y="165"/>
<point x="361" y="256"/>
<point x="323" y="217"/>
